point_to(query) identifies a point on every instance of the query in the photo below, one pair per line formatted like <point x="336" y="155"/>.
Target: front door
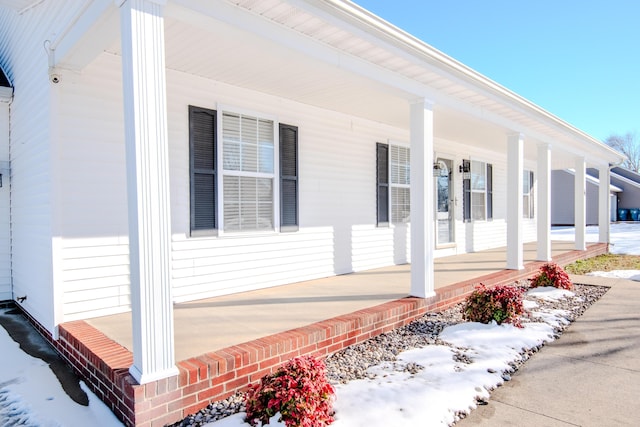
<point x="444" y="205"/>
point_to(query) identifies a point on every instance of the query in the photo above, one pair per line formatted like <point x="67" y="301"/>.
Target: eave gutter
<point x="411" y="44"/>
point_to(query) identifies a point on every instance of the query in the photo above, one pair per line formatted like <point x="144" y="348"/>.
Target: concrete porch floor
<point x="216" y="323"/>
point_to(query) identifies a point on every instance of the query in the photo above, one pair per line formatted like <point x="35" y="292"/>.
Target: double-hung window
<point x="235" y="185"/>
<point x="247" y="172"/>
<point x="478" y="190"/>
<point x="393" y="184"/>
<point x="527" y="195"/>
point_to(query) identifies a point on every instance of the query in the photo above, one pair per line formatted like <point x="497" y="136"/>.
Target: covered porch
<point x="227" y="342"/>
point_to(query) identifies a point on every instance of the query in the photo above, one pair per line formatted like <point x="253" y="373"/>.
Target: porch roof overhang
<point x="336" y="55"/>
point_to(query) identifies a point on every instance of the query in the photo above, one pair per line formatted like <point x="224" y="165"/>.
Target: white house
<point x="159" y="151"/>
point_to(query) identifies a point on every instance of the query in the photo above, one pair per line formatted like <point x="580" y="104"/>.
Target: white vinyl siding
<point x="36" y="191"/>
<point x="337" y="221"/>
<point x="337" y="198"/>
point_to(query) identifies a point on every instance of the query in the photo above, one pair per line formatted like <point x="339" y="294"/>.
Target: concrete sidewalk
<point x="589" y="377"/>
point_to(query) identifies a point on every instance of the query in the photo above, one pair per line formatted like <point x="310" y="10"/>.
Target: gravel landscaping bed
<point x="352" y="363"/>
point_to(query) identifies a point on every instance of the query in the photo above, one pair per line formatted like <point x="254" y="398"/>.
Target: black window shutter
<point x="202" y="167"/>
<point x="466" y="190"/>
<point x="382" y="183"/>
<point x="288" y="178"/>
<point x="489" y="191"/>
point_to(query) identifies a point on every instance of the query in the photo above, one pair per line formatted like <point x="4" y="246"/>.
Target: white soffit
<point x="369" y="68"/>
<point x="403" y="54"/>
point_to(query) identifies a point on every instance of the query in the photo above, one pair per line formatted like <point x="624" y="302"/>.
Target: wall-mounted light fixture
<point x="440" y="169"/>
<point x="464" y="168"/>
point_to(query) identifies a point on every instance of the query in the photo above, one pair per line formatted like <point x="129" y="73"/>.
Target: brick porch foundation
<point x="104" y="364"/>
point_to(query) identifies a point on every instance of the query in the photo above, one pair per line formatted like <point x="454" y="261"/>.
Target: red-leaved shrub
<point x="552" y="274"/>
<point x="501" y="303"/>
<point x="299" y="391"/>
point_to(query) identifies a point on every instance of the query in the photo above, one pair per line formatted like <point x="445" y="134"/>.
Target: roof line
<point x="405" y="40"/>
<point x="625" y="179"/>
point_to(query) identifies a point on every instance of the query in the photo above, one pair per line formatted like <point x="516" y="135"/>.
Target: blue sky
<point x="578" y="59"/>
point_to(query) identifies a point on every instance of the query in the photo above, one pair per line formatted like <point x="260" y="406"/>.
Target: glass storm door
<point x="444" y="207"/>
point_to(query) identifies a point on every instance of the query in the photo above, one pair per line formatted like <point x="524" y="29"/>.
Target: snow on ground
<point x="625" y="237"/>
<point x="620" y="274"/>
<point x="434" y="395"/>
<point x="445" y="386"/>
<point x="31" y="396"/>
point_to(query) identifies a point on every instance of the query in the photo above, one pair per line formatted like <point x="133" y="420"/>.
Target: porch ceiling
<point x="368" y="69"/>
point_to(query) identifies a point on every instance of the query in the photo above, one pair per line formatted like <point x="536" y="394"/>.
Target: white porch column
<point x="580" y="210"/>
<point x="422" y="199"/>
<point x="515" y="162"/>
<point x="544" y="203"/>
<point x="604" y="204"/>
<point x="145" y="113"/>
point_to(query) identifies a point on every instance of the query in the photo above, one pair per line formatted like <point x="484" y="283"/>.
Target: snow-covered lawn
<point x="30" y="395"/>
<point x="624" y="237"/>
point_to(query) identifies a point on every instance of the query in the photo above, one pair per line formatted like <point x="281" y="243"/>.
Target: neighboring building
<point x="167" y="151"/>
<point x="629" y="182"/>
<point x="624" y="194"/>
<point x="563" y="197"/>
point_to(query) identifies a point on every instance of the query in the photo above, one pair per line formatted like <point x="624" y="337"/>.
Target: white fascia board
<point x="94" y="28"/>
<point x="382" y="29"/>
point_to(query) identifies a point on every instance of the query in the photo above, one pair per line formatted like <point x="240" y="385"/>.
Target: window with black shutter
<point x="382" y="183"/>
<point x="477" y="186"/>
<point x="288" y="178"/>
<point x="246" y="173"/>
<point x="466" y="190"/>
<point x="202" y="155"/>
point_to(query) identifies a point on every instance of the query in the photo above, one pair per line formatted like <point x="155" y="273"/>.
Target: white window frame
<point x="396" y="185"/>
<point x="482" y="191"/>
<point x="274" y="176"/>
<point x="528" y="209"/>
